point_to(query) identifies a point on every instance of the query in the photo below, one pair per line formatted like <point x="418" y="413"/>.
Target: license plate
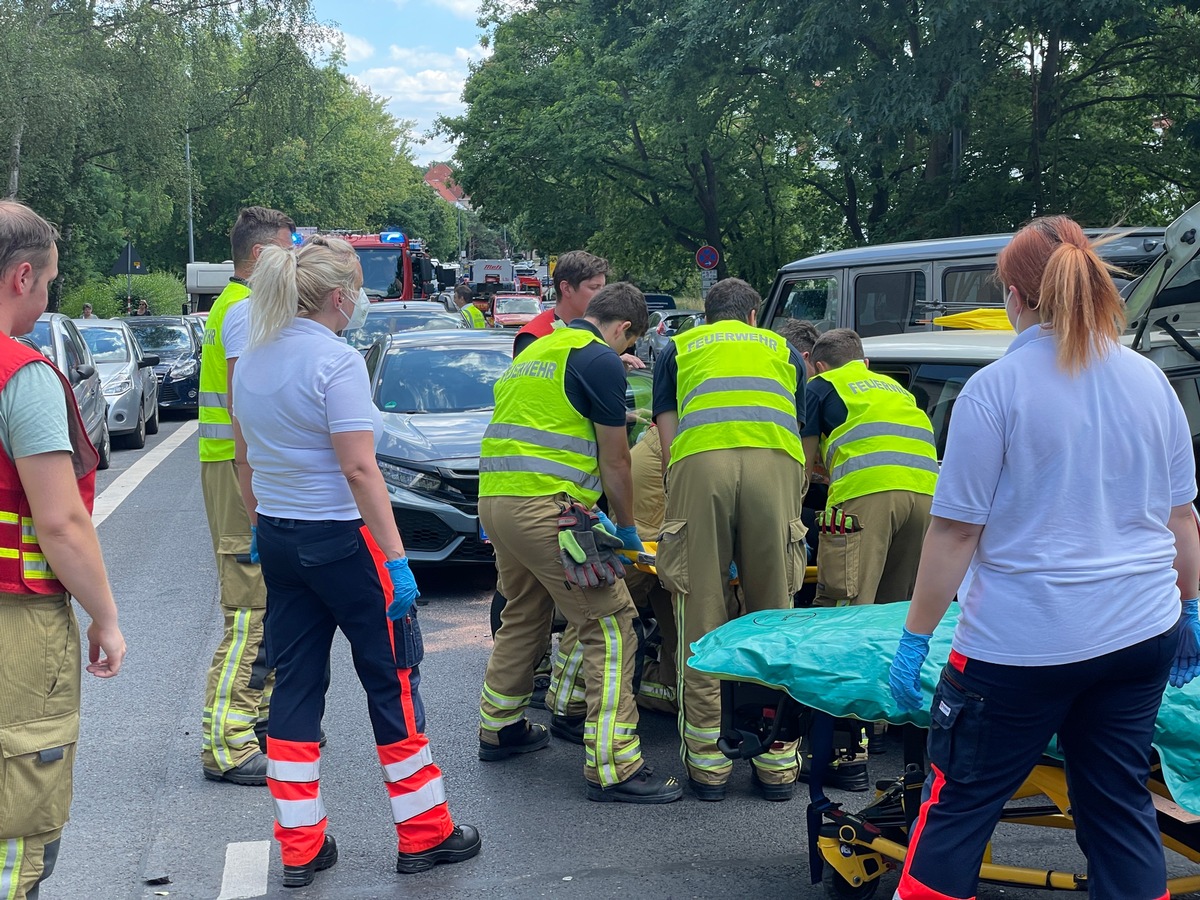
<point x="483" y="534"/>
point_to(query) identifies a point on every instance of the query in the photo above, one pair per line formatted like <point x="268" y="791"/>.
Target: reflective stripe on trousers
<point x="417" y="793"/>
<point x="293" y="778"/>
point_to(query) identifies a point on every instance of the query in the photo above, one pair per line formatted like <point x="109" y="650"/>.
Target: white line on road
<point x="246" y="865"/>
<point x="115" y="494"/>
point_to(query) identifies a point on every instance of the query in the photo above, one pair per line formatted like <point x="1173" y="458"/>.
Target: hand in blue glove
<point x="606" y="522"/>
<point x="1187" y="657"/>
<point x="733" y="572"/>
<point x="254" y="558"/>
<point x="904" y="678"/>
<point x="629" y="538"/>
<point x="404" y="588"/>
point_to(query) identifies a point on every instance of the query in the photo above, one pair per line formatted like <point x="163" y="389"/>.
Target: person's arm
<point x="665" y="402"/>
<point x="69" y="541"/>
<point x="945" y="556"/>
<point x="355" y="451"/>
<point x="812" y="447"/>
<point x="616" y="472"/>
<point x="668" y="426"/>
<point x="1187" y="550"/>
<point x="241" y="464"/>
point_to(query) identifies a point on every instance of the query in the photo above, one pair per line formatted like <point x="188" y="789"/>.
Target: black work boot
<point x="519" y="737"/>
<point x="463" y="843"/>
<point x="709" y="793"/>
<point x="643" y="786"/>
<point x="541" y="684"/>
<point x="252" y="772"/>
<point x="568" y="728"/>
<point x="776" y="793"/>
<point x="846" y="773"/>
<point x="299" y="876"/>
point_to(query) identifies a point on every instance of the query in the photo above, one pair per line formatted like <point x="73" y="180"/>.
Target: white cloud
<point x="357" y="49"/>
<point x="462" y="9"/>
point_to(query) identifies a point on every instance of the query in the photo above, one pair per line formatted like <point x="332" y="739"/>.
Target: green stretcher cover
<point x="837" y="661"/>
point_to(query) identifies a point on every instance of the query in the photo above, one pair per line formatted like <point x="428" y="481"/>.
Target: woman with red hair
<point x="1066" y="488"/>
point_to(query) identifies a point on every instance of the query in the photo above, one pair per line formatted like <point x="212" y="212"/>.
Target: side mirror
<point x="82" y="372"/>
<point x="148" y="361"/>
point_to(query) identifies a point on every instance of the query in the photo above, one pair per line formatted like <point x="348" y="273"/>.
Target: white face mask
<point x="362" y="304"/>
<point x="1011" y="313"/>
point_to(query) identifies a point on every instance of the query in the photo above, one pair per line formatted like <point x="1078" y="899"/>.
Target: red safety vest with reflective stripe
<point x="541" y="324"/>
<point x="23" y="567"/>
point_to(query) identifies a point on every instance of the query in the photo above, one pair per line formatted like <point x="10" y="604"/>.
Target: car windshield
<point x="163" y="340"/>
<point x="440" y="379"/>
<point x="382" y="272"/>
<point x="41" y="336"/>
<point x="517" y="305"/>
<point x="381" y="324"/>
<point x="106" y="344"/>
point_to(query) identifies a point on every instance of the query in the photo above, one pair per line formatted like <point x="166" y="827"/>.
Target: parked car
<point x="687" y="323"/>
<point x="59" y="341"/>
<point x="174" y="341"/>
<point x="513" y="310"/>
<point x="661" y="328"/>
<point x="659" y="301"/>
<point x="196" y="322"/>
<point x="396" y="316"/>
<point x="128" y="378"/>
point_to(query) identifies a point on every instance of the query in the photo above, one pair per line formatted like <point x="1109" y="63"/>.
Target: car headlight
<point x="117" y="386"/>
<point x="184" y="369"/>
<point x="409" y="479"/>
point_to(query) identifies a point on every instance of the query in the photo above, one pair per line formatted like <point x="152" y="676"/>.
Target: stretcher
<point x="780" y="666"/>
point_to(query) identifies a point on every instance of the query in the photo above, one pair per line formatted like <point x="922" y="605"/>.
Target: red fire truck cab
<point x="387" y="264"/>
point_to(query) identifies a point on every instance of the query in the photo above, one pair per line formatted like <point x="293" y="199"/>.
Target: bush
<point x="164" y="294"/>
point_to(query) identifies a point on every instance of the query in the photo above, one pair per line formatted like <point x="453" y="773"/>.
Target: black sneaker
<point x="568" y="728"/>
<point x="299" y="876"/>
<point x="776" y="793"/>
<point x="640" y="787"/>
<point x="463" y="843"/>
<point x="541" y="684"/>
<point x="520" y="737"/>
<point x="709" y="793"/>
<point x="252" y="772"/>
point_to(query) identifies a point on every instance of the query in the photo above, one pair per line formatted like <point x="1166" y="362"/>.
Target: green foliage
<point x="164" y="293"/>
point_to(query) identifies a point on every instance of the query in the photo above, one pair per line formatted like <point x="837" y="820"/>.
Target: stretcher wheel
<point x="838" y="888"/>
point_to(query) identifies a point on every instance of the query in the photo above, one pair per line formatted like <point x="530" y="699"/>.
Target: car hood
<point x="1167" y="297"/>
<point x="433" y="437"/>
<point x="508" y="319"/>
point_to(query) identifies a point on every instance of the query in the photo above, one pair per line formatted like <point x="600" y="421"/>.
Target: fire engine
<point x="394" y="266"/>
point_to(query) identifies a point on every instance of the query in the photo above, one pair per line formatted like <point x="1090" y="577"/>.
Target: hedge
<point x="164" y="294"/>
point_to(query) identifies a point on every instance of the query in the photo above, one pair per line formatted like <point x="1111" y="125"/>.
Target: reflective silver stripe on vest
<point x="419" y="801"/>
<point x="298" y="813"/>
<point x="398" y="771"/>
<point x="216" y="430"/>
<point x="874" y="430"/>
<point x="28" y="536"/>
<point x="300" y="772"/>
<point x="738" y="383"/>
<point x="883" y="458"/>
<point x="539" y="466"/>
<point x="735" y="414"/>
<point x="215" y="399"/>
<point x="548" y="439"/>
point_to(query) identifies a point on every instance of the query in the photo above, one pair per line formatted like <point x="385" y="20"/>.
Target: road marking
<point x="246" y="866"/>
<point x="115" y="494"/>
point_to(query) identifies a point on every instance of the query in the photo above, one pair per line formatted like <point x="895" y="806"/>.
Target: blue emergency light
<point x="297" y="239"/>
<point x="392" y="237"/>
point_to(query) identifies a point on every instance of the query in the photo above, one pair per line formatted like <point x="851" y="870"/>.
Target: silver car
<point x="128" y="378"/>
<point x="57" y="338"/>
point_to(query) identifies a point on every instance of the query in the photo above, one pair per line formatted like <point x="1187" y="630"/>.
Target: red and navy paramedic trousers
<point x="990" y="725"/>
<point x="322" y="576"/>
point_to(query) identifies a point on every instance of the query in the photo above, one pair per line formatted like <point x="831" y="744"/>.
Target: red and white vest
<point x="23" y="566"/>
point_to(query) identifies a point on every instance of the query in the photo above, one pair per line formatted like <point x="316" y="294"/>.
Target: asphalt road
<point x="144" y="812"/>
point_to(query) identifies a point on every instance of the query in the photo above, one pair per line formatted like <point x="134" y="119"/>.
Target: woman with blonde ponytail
<point x="1067" y="489"/>
<point x="331" y="556"/>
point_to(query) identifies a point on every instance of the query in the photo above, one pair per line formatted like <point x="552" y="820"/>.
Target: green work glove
<point x="587" y="551"/>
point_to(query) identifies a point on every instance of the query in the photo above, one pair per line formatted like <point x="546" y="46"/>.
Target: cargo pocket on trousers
<point x="838" y="566"/>
<point x="671" y="558"/>
<point x="955" y="730"/>
<point x="36" y="762"/>
<point x="797" y="553"/>
<point x="329" y="550"/>
<point x="410" y="646"/>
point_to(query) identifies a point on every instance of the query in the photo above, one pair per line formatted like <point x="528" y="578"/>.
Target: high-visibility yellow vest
<point x="736" y="388"/>
<point x="538" y="444"/>
<point x="216" y="427"/>
<point x="886" y="442"/>
<point x="474" y="316"/>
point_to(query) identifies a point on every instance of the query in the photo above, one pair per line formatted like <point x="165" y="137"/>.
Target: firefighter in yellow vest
<point x="48" y="553"/>
<point x="728" y="401"/>
<point x="877" y="446"/>
<point x="557" y="438"/>
<point x="238" y="690"/>
<point x="464" y="299"/>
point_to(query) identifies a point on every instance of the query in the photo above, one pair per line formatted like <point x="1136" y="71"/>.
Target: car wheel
<point x="152" y="422"/>
<point x="137" y="439"/>
<point x="105" y="448"/>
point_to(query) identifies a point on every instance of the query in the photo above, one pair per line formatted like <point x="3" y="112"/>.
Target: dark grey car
<point x="59" y="340"/>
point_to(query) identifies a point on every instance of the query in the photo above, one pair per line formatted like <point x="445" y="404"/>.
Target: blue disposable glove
<point x="254" y="545"/>
<point x="629" y="537"/>
<point x="733" y="573"/>
<point x="404" y="588"/>
<point x="606" y="522"/>
<point x="1187" y="658"/>
<point x="904" y="678"/>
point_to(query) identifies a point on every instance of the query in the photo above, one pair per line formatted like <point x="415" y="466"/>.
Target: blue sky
<point x="415" y="53"/>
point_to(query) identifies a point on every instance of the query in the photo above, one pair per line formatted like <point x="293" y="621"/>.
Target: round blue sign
<point x="707" y="257"/>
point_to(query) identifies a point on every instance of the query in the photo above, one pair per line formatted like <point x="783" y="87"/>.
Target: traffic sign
<point x="708" y="277"/>
<point x="707" y="257"/>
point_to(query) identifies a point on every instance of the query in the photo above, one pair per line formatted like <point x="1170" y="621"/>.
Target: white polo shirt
<point x="290" y="396"/>
<point x="1073" y="479"/>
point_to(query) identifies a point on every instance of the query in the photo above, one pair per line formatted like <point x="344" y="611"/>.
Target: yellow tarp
<point x="985" y="319"/>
